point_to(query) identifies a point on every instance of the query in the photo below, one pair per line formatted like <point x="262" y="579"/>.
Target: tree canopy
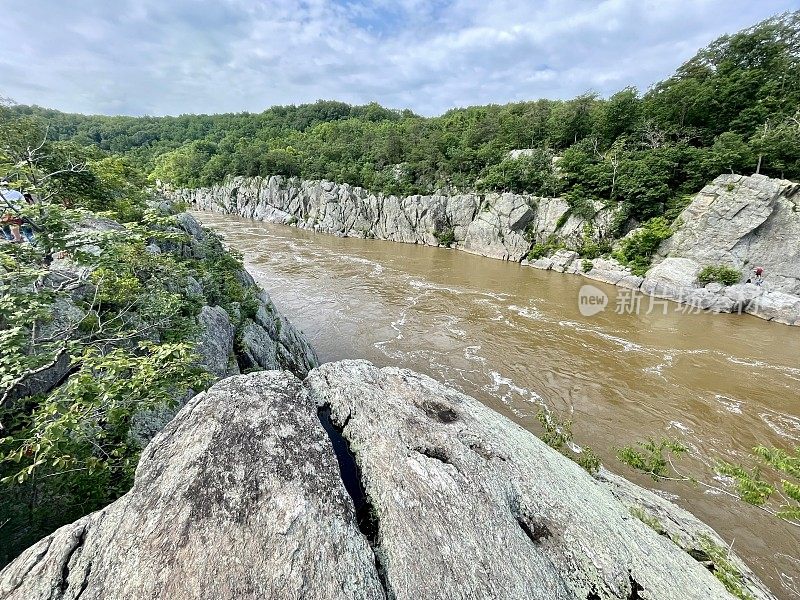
<point x="733" y="107"/>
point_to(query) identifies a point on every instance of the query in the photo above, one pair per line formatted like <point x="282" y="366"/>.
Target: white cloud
<point x="156" y="57"/>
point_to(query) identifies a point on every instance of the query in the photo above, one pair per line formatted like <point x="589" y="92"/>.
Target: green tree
<point x="729" y="154"/>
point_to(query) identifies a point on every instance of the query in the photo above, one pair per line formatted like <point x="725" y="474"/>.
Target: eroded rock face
<point x="740" y="222"/>
<point x="241" y="497"/>
<point x="267" y="341"/>
<point x="215" y="344"/>
<point x="743" y="222"/>
<point x="736" y="221"/>
<point x="502" y="226"/>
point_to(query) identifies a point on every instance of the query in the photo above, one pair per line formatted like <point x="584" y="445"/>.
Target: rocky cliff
<point x="265" y="340"/>
<point x="735" y="221"/>
<point x="103" y="342"/>
<point x="229" y="343"/>
<point x="366" y="483"/>
<point x="744" y="223"/>
<point x="503" y="226"/>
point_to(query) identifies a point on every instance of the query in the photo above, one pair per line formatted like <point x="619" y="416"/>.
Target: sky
<point x="158" y="57"/>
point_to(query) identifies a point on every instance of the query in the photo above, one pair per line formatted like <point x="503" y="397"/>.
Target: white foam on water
<point x="784" y="425"/>
<point x="729" y="404"/>
<point x="667" y="361"/>
<point x="495" y="295"/>
<point x="426" y="285"/>
<point x="499" y="381"/>
<point x="397" y="325"/>
<point x="627" y="345"/>
<point x="471" y="353"/>
<point x="790" y="583"/>
<point x="529" y="313"/>
<point x="790" y="371"/>
<point x="679" y="426"/>
<point x="571" y="324"/>
<point x="377" y="268"/>
<point x="498" y="314"/>
<point x="450" y="322"/>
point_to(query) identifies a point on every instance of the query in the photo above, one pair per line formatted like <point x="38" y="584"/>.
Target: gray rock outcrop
<point x="736" y="221"/>
<point x="215" y="344"/>
<point x="265" y="342"/>
<point x="239" y="497"/>
<point x="743" y="223"/>
<point x="268" y="340"/>
<point x="434" y="496"/>
<point x="502" y="226"/>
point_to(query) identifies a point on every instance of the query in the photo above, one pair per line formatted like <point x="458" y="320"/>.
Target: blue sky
<point x="191" y="56"/>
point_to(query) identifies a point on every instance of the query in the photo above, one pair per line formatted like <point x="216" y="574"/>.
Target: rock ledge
<point x="241" y="496"/>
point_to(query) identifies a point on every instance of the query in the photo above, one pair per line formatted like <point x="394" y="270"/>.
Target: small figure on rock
<point x="759" y="271"/>
<point x="26" y="228"/>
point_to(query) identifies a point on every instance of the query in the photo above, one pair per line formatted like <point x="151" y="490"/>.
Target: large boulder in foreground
<point x="434" y="496"/>
<point x="238" y="497"/>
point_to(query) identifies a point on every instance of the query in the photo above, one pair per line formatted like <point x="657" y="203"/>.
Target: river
<point x="515" y="338"/>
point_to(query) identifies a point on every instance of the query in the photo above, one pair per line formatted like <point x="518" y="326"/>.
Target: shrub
<point x="636" y="251"/>
<point x="650" y="458"/>
<point x="719" y="274"/>
<point x="557" y="434"/>
<point x="538" y="251"/>
<point x="724" y="568"/>
<point x="588" y="247"/>
<point x="591" y="249"/>
<point x="546" y="249"/>
<point x="676" y="205"/>
<point x="445" y="237"/>
<point x="587" y="266"/>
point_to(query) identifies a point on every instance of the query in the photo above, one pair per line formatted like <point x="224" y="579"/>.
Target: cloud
<point x="155" y="57"/>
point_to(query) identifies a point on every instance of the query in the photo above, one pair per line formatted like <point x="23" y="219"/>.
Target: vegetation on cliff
<point x="771" y="480"/>
<point x="98" y="324"/>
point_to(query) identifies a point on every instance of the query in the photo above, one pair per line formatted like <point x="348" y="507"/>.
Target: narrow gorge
<point x="350" y="481"/>
<point x="736" y="221"/>
<point x="456" y="337"/>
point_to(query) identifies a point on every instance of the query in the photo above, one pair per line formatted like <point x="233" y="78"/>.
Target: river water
<point x="514" y="338"/>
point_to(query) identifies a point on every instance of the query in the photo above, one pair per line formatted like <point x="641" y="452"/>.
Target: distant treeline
<point x="735" y="106"/>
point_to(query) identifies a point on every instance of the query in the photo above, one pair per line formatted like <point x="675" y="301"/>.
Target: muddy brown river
<point x="514" y="338"/>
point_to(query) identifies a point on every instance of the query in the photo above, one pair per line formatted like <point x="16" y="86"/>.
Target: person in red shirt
<point x="759" y="275"/>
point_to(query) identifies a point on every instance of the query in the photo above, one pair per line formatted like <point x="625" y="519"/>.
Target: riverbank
<point x="736" y="221"/>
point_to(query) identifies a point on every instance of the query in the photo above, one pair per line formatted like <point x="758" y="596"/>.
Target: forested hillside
<point x="733" y="107"/>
